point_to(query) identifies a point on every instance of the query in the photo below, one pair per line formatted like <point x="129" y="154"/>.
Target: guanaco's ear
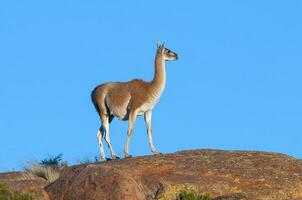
<point x="158" y="45"/>
<point x="163" y="45"/>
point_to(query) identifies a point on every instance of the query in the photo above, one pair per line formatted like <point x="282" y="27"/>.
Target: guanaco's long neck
<point x="159" y="81"/>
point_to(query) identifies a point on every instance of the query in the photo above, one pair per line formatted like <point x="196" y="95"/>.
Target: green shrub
<point x="184" y="192"/>
<point x="192" y="195"/>
<point x="7" y="193"/>
<point x="55" y="162"/>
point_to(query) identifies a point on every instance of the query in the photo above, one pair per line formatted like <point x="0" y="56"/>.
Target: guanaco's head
<point x="166" y="53"/>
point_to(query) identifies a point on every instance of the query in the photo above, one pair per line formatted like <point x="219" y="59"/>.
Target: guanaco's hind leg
<point x="100" y="135"/>
<point x="105" y="130"/>
<point x="132" y="118"/>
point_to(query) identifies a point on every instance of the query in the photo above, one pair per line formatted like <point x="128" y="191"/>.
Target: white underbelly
<point x="146" y="107"/>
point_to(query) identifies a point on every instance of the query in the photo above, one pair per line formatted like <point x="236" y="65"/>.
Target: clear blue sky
<point x="236" y="85"/>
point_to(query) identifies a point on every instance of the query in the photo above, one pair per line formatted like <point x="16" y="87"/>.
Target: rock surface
<point x="223" y="174"/>
<point x="25" y="183"/>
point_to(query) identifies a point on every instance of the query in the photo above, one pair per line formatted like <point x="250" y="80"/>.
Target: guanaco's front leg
<point x="147" y="116"/>
<point x="132" y="118"/>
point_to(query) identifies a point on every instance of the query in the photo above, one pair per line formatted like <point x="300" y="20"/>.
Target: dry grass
<point x="49" y="168"/>
<point x="49" y="173"/>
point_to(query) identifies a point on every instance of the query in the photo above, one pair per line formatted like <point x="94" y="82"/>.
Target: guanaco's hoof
<point x="108" y="159"/>
<point x="158" y="154"/>
<point x="100" y="159"/>
<point x="128" y="156"/>
<point x="116" y="157"/>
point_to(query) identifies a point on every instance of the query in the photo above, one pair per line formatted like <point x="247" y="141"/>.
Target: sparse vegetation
<point x="88" y="160"/>
<point x="187" y="192"/>
<point x="48" y="173"/>
<point x="54" y="161"/>
<point x="7" y="193"/>
<point x="48" y="168"/>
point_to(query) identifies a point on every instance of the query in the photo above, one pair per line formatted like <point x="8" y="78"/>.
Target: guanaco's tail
<point x="98" y="100"/>
<point x="94" y="101"/>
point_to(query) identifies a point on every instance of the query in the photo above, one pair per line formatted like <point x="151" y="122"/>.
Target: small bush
<point x="192" y="195"/>
<point x="48" y="168"/>
<point x="7" y="193"/>
<point x="52" y="161"/>
<point x="186" y="192"/>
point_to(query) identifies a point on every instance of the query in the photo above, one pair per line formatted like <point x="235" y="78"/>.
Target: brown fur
<point x="119" y="92"/>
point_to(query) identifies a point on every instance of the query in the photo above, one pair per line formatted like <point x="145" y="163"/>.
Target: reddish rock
<point x="231" y="175"/>
<point x="25" y="183"/>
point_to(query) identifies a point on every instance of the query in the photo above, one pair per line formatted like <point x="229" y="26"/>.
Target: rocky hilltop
<point x="225" y="175"/>
<point x="222" y="174"/>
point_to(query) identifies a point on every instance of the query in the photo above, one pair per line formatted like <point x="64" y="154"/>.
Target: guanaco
<point x="127" y="100"/>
